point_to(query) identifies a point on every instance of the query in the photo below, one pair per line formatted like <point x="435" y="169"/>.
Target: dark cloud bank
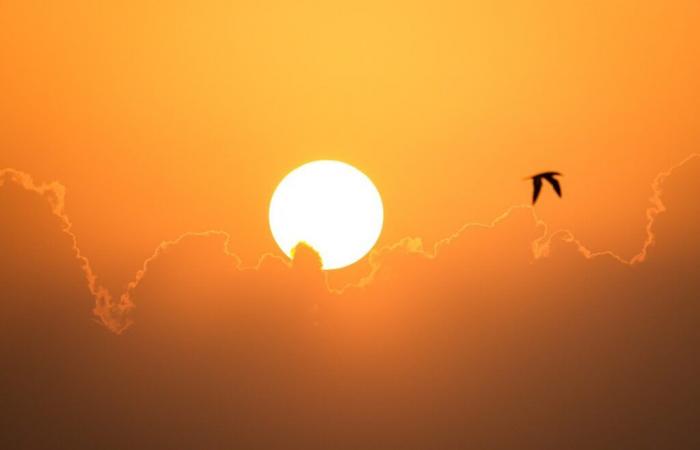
<point x="483" y="346"/>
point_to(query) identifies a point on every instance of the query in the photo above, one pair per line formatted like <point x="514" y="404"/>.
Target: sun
<point x="331" y="206"/>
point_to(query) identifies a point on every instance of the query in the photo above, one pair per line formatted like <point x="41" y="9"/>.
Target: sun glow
<point x="331" y="206"/>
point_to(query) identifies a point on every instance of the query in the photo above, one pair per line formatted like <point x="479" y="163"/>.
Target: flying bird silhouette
<point x="537" y="183"/>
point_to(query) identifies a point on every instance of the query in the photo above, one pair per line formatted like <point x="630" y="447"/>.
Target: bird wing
<point x="555" y="184"/>
<point x="537" y="184"/>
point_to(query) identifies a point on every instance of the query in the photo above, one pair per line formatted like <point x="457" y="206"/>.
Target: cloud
<point x="115" y="314"/>
<point x="542" y="243"/>
<point x="657" y="207"/>
<point x="505" y="335"/>
<point x="111" y="313"/>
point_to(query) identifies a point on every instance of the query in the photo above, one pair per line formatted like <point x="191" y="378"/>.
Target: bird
<point x="537" y="183"/>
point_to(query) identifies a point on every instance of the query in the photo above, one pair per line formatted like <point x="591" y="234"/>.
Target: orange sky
<point x="162" y="119"/>
<point x="167" y="125"/>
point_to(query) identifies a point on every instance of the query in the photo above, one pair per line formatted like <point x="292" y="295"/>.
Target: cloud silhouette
<point x="115" y="313"/>
<point x="112" y="314"/>
<point x="480" y="341"/>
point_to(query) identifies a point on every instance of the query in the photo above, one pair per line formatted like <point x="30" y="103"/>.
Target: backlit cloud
<point x="114" y="311"/>
<point x="478" y="342"/>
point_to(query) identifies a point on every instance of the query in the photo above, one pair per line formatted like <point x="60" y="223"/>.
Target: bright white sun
<point x="331" y="206"/>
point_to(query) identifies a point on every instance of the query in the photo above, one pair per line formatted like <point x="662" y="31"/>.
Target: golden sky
<point x="162" y="121"/>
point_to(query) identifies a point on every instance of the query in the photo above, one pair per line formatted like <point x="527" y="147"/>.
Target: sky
<point x="148" y="305"/>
